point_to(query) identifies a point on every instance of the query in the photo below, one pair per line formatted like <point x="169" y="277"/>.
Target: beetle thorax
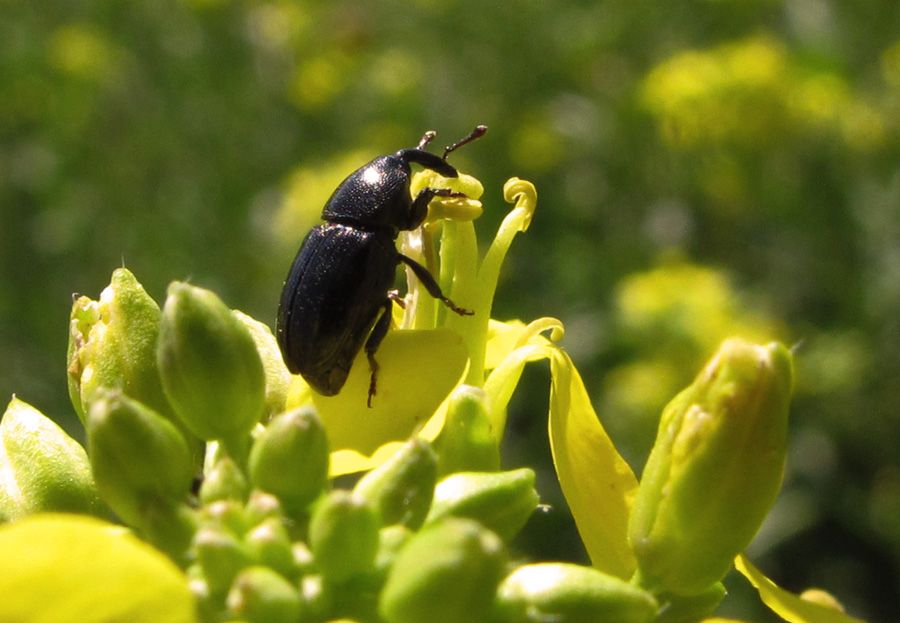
<point x="374" y="196"/>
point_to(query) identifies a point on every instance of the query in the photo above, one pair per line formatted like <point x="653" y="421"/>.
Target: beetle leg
<point x="394" y="295"/>
<point x="420" y="204"/>
<point x="379" y="331"/>
<point x="431" y="285"/>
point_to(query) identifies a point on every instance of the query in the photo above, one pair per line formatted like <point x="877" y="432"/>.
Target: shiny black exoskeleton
<point x="336" y="295"/>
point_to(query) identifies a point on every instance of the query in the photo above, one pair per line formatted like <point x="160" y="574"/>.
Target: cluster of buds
<point x="265" y="537"/>
<point x="202" y="444"/>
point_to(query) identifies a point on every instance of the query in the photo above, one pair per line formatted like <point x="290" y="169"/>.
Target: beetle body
<point x="335" y="298"/>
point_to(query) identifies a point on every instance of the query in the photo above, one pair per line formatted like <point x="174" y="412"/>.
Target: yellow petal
<point x="417" y="371"/>
<point x="597" y="482"/>
<point x="787" y="605"/>
<point x="73" y="568"/>
<point x="501" y="383"/>
<point x="502" y="339"/>
<point x="510" y="346"/>
<point x="428" y="178"/>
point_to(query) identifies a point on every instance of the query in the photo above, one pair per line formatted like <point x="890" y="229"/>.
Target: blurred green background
<point x="704" y="169"/>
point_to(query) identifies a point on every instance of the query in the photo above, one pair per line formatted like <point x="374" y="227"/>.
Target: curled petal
<point x="787" y="605"/>
<point x="501" y="383"/>
<point x="524" y="194"/>
<point x="536" y="327"/>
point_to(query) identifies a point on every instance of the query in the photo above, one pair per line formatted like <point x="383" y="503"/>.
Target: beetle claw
<point x="455" y="308"/>
<point x="372" y="389"/>
<point x="394" y="295"/>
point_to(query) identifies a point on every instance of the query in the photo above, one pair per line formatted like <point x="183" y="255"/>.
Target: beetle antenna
<point x="477" y="133"/>
<point x="426" y="138"/>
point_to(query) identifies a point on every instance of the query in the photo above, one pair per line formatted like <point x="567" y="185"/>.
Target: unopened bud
<point x="467" y="443"/>
<point x="225" y="481"/>
<point x="391" y="540"/>
<point x="43" y="469"/>
<point x="567" y="593"/>
<point x="209" y="365"/>
<point x="139" y="459"/>
<point x="278" y="378"/>
<point x="261" y="506"/>
<point x="343" y="536"/>
<point x="221" y="557"/>
<point x="447" y="573"/>
<point x="401" y="488"/>
<point x="270" y="545"/>
<point x="112" y="343"/>
<point x="260" y="595"/>
<point x="714" y="470"/>
<point x="501" y="501"/>
<point x="290" y="458"/>
<point x="226" y="514"/>
<point x="689" y="608"/>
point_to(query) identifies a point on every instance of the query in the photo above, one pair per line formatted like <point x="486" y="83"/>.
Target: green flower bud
<point x="209" y="366"/>
<point x="567" y="593"/>
<point x="207" y="608"/>
<point x="290" y="459"/>
<point x="401" y="488"/>
<point x="391" y="540"/>
<point x="446" y="573"/>
<point x="270" y="545"/>
<point x="467" y="442"/>
<point x="318" y="598"/>
<point x="501" y="501"/>
<point x="343" y="536"/>
<point x="303" y="558"/>
<point x="261" y="506"/>
<point x="225" y="481"/>
<point x="228" y="515"/>
<point x="139" y="459"/>
<point x="170" y="528"/>
<point x="687" y="609"/>
<point x="221" y="556"/>
<point x="112" y="343"/>
<point x="260" y="595"/>
<point x="43" y="469"/>
<point x="278" y="378"/>
<point x="714" y="470"/>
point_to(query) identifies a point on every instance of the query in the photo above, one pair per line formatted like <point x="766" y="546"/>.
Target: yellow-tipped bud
<point x="714" y="470"/>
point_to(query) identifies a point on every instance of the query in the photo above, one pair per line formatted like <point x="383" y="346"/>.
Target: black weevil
<point x="336" y="295"/>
